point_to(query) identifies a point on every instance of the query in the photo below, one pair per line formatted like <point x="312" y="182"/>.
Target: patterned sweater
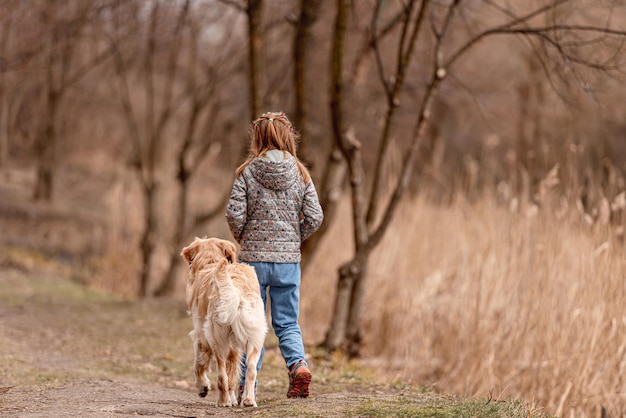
<point x="271" y="211"/>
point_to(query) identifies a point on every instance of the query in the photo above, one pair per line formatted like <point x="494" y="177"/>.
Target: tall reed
<point x="477" y="299"/>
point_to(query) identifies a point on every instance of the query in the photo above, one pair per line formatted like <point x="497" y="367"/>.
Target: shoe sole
<point x="301" y="384"/>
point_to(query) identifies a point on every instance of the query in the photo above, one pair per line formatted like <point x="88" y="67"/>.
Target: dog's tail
<point x="227" y="295"/>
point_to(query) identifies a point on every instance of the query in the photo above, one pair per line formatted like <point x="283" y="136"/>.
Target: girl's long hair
<point x="273" y="131"/>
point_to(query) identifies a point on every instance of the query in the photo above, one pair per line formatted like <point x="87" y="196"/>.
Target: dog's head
<point x="204" y="251"/>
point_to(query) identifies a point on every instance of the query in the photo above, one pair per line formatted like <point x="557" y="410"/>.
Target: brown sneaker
<point x="299" y="381"/>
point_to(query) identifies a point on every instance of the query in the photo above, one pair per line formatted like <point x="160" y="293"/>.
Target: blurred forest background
<point x="469" y="155"/>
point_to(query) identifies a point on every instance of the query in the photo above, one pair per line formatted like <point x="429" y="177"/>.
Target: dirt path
<point x="120" y="398"/>
<point x="66" y="351"/>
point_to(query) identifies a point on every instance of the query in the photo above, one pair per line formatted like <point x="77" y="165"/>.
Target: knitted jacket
<point x="271" y="211"/>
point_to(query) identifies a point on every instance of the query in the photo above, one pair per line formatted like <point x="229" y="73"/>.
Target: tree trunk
<point x="258" y="82"/>
<point x="4" y="98"/>
<point x="349" y="274"/>
<point x="43" y="179"/>
<point x="4" y="135"/>
<point x="168" y="285"/>
<point x="345" y="330"/>
<point x="354" y="334"/>
<point x="330" y="191"/>
<point x="148" y="241"/>
<point x="45" y="141"/>
<point x="303" y="44"/>
<point x="45" y="144"/>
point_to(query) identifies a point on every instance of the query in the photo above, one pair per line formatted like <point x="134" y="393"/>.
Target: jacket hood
<point x="275" y="175"/>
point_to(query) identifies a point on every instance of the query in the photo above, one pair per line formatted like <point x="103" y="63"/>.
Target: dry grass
<point x="478" y="300"/>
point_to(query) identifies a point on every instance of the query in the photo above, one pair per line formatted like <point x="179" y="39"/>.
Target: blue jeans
<point x="283" y="281"/>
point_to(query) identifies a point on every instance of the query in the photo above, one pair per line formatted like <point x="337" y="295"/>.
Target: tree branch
<point x="368" y="44"/>
<point x="407" y="165"/>
<point x="378" y="58"/>
<point x="516" y="21"/>
<point x="235" y="4"/>
<point x="403" y="60"/>
<point x="542" y="33"/>
<point x="200" y="219"/>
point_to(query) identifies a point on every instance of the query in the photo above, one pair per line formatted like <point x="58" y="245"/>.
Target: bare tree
<point x="64" y="24"/>
<point x="350" y="288"/>
<point x="199" y="139"/>
<point x="334" y="173"/>
<point x="147" y="131"/>
<point x="167" y="82"/>
<point x="372" y="216"/>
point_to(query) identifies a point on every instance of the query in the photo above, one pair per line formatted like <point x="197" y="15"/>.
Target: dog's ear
<point x="190" y="251"/>
<point x="230" y="251"/>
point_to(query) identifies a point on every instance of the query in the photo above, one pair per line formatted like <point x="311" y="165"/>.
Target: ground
<point x="68" y="351"/>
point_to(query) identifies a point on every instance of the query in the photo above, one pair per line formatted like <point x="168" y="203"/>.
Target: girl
<point x="273" y="207"/>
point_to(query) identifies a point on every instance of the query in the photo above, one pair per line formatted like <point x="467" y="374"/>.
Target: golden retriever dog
<point x="225" y="304"/>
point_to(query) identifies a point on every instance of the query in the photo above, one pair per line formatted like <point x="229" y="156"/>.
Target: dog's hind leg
<point x="224" y="398"/>
<point x="201" y="367"/>
<point x="252" y="358"/>
<point x="233" y="369"/>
